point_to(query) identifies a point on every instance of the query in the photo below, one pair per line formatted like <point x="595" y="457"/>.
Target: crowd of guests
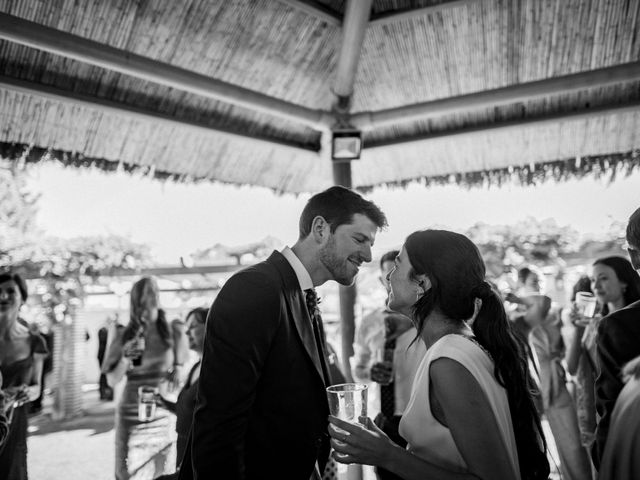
<point x="467" y="375"/>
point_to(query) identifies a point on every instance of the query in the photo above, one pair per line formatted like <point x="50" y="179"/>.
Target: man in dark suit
<point x="261" y="409"/>
<point x="618" y="342"/>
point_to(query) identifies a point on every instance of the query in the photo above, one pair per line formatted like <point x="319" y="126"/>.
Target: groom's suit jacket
<point x="261" y="408"/>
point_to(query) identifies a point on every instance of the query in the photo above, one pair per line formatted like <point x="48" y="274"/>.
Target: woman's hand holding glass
<point x="361" y="443"/>
<point x="16" y="396"/>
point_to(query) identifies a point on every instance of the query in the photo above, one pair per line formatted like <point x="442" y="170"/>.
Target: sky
<point x="177" y="219"/>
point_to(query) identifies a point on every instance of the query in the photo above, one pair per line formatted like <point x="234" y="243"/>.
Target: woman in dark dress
<point x="22" y="355"/>
<point x="183" y="407"/>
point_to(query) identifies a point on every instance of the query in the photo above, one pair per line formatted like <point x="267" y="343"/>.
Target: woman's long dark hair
<point x="626" y="274"/>
<point x="456" y="270"/>
<point x="144" y="295"/>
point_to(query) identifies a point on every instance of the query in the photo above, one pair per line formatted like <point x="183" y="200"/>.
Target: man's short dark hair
<point x="338" y="205"/>
<point x="633" y="229"/>
<point x="7" y="276"/>
<point x="389" y="257"/>
<point x="524" y="273"/>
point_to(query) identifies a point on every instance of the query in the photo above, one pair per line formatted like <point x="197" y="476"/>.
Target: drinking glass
<point x="347" y="401"/>
<point x="147" y="403"/>
<point x="586" y="303"/>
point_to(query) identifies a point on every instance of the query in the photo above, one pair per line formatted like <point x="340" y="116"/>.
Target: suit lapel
<point x="298" y="308"/>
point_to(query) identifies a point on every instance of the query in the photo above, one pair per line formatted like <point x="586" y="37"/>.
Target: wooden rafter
<point x="315" y="9"/>
<point x="523" y="92"/>
<point x="54" y="41"/>
<point x="516" y="124"/>
<point x="108" y="106"/>
<point x="396" y="16"/>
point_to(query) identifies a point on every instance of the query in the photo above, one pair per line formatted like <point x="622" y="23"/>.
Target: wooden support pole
<point x="348" y="294"/>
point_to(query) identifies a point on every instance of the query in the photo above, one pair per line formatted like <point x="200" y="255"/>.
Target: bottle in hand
<point x="137" y="360"/>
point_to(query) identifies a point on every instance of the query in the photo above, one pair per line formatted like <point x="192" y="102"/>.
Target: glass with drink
<point x="347" y="401"/>
<point x="586" y="305"/>
<point x="147" y="403"/>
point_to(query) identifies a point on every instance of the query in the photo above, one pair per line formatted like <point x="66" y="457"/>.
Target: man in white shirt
<point x="261" y="410"/>
<point x="387" y="352"/>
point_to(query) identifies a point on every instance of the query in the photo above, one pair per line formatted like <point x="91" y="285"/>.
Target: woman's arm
<point x="469" y="417"/>
<point x="574" y="352"/>
<point x="368" y="445"/>
<point x="115" y="364"/>
<point x="34" y="387"/>
<point x="180" y="352"/>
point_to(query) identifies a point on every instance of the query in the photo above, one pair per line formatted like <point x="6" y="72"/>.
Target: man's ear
<point x="320" y="229"/>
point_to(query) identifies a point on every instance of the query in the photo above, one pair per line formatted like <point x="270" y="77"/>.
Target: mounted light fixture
<point x="346" y="144"/>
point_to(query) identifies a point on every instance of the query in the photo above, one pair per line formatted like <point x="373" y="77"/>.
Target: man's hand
<point x="382" y="373"/>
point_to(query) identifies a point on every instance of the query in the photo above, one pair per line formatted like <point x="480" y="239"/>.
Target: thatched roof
<point x="244" y="91"/>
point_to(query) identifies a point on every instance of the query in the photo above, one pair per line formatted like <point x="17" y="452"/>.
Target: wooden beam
<point x="152" y="271"/>
<point x="170" y="271"/>
<point x="353" y="30"/>
<point x="130" y="111"/>
<point x="34" y="35"/>
<point x="315" y="9"/>
<point x="165" y="290"/>
<point x="396" y="16"/>
<point x="523" y="92"/>
<point x="632" y="107"/>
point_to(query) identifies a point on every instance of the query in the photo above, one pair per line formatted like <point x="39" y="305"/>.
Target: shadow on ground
<point x="99" y="422"/>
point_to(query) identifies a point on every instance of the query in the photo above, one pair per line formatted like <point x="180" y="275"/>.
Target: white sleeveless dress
<point x="428" y="438"/>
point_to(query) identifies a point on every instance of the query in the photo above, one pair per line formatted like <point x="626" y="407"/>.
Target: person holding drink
<point x="147" y="351"/>
<point x="22" y="354"/>
<point x="471" y="414"/>
<point x="617" y="287"/>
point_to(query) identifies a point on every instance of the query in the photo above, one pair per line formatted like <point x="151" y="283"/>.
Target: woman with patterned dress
<point x="22" y="355"/>
<point x="147" y="351"/>
<point x="471" y="414"/>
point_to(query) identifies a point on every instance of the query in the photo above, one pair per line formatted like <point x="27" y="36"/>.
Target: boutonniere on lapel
<point x="312" y="301"/>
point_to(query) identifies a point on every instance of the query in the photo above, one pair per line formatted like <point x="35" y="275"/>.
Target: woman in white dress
<point x="471" y="414"/>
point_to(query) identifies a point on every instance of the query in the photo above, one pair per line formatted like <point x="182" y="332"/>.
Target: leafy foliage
<point x="60" y="265"/>
<point x="528" y="241"/>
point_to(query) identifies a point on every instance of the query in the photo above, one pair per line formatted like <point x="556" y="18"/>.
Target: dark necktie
<point x="318" y="330"/>
<point x="387" y="392"/>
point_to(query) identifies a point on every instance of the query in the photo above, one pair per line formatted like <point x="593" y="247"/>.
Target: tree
<point x="527" y="241"/>
<point x="61" y="268"/>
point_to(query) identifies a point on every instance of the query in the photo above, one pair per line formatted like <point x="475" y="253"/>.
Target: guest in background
<point x="22" y="355"/>
<point x="394" y="334"/>
<point x="621" y="457"/>
<point x="148" y="350"/>
<point x="581" y="359"/>
<point x="106" y="392"/>
<point x="548" y="352"/>
<point x="618" y="339"/>
<point x="613" y="293"/>
<point x="185" y="404"/>
<point x="47" y="334"/>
